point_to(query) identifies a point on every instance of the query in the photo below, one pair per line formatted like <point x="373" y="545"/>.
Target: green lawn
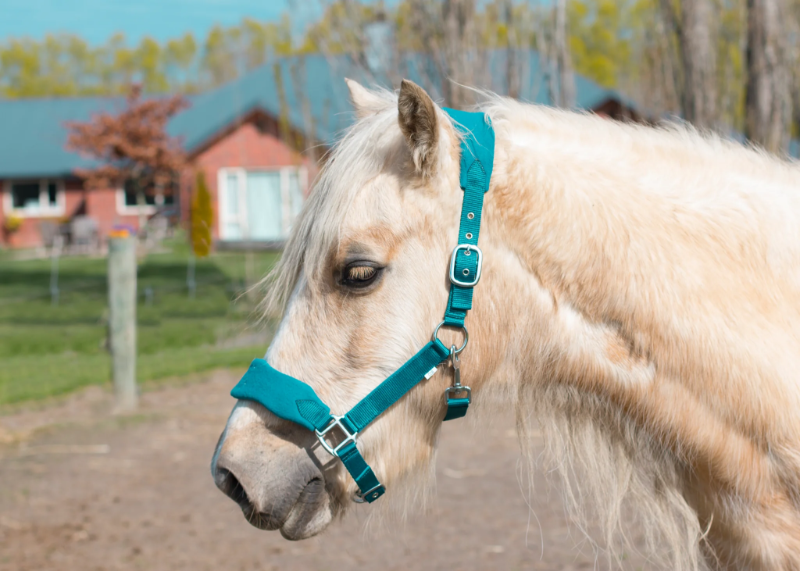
<point x="48" y="349"/>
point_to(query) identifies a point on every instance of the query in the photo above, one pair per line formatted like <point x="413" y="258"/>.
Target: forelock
<point x="358" y="156"/>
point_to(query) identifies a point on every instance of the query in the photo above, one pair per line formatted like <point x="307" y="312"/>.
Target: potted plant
<point x="11" y="226"/>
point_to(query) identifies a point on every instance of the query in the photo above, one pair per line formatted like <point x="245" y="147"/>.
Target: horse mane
<point x="607" y="463"/>
<point x="355" y="157"/>
<point x="356" y="154"/>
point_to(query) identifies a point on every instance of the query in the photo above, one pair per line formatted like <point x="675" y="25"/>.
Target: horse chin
<point x="310" y="514"/>
<point x="305" y="524"/>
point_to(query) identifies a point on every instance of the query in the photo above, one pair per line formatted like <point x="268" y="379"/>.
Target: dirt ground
<point x="81" y="489"/>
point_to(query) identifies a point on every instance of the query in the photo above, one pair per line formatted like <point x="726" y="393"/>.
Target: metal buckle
<point x="360" y="498"/>
<point x="467" y="248"/>
<point x="459" y="389"/>
<point x="337" y="421"/>
<point x="457" y="386"/>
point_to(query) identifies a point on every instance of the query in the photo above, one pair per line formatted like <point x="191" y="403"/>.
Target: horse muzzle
<point x="275" y="480"/>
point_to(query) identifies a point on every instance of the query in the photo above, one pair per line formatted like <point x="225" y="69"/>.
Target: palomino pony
<point x="640" y="301"/>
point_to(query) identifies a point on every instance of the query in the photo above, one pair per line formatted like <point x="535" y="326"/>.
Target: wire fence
<point x="54" y="340"/>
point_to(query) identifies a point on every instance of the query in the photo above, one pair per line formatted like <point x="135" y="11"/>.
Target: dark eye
<point x="360" y="274"/>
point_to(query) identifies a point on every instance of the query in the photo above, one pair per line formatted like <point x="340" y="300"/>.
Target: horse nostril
<point x="231" y="487"/>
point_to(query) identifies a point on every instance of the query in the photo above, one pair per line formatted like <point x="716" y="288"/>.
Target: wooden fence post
<point x="122" y="319"/>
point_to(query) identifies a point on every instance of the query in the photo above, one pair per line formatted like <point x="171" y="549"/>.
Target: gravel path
<point x="83" y="490"/>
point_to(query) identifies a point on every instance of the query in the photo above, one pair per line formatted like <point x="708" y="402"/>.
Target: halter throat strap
<point x="295" y="401"/>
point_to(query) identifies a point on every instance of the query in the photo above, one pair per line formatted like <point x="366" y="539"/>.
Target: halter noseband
<point x="295" y="401"/>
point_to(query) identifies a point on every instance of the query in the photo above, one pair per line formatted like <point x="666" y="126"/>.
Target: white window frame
<point x="226" y="218"/>
<point x="45" y="211"/>
<point x="147" y="209"/>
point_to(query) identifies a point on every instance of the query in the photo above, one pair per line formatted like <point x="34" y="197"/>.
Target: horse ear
<point x="364" y="101"/>
<point x="417" y="118"/>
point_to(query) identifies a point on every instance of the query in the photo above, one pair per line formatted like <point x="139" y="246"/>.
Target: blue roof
<point x="33" y="132"/>
<point x="274" y="88"/>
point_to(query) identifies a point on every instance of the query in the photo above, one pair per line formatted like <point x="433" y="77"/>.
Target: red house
<point x="258" y="140"/>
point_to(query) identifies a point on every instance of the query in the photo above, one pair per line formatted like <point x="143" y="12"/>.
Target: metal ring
<point x="463" y="328"/>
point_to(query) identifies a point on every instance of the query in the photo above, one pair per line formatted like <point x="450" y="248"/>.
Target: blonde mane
<point x="722" y="267"/>
<point x="359" y="153"/>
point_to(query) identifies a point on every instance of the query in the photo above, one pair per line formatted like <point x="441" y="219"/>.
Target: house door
<point x="258" y="205"/>
<point x="264" y="206"/>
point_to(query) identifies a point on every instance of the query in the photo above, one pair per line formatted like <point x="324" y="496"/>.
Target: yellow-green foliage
<point x="202" y="217"/>
<point x="65" y="64"/>
<point x="600" y="38"/>
<point x="12" y="223"/>
<point x="618" y="43"/>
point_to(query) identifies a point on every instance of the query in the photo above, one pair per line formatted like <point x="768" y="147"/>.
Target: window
<point x="132" y="200"/>
<point x="128" y="201"/>
<point x="259" y="204"/>
<point x="34" y="198"/>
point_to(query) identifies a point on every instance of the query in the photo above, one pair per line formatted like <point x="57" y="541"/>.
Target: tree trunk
<point x="699" y="63"/>
<point x="768" y="91"/>
<point x="458" y="19"/>
<point x="140" y="208"/>
<point x="670" y="45"/>
<point x="566" y="79"/>
<point x="512" y="73"/>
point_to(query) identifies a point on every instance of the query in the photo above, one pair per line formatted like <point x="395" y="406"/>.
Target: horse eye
<point x="359" y="274"/>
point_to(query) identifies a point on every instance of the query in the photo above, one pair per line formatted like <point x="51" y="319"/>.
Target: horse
<point x="640" y="303"/>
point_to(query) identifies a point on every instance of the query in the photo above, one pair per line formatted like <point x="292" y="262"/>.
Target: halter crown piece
<point x="294" y="400"/>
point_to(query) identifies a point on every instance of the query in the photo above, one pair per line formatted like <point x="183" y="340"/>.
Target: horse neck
<point x="604" y="213"/>
<point x="568" y="205"/>
<point x="627" y="230"/>
<point x="671" y="263"/>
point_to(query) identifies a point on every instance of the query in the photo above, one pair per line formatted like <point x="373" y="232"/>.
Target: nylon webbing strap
<point x="477" y="161"/>
<point x="398" y="384"/>
<point x="375" y="403"/>
<point x="456" y="408"/>
<point x="368" y="484"/>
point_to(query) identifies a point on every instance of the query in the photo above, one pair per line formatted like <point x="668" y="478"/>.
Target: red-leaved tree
<point x="132" y="147"/>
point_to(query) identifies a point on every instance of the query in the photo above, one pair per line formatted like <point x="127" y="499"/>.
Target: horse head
<point x="362" y="283"/>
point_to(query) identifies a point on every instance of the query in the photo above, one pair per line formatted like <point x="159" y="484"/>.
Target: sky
<point x="97" y="20"/>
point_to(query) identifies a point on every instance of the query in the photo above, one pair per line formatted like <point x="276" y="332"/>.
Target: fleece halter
<point x="295" y="401"/>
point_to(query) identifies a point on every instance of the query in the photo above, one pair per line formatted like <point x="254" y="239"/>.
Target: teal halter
<point x="295" y="401"/>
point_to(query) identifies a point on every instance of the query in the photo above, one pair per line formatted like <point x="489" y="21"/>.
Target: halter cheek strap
<point x="477" y="157"/>
<point x="295" y="401"/>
